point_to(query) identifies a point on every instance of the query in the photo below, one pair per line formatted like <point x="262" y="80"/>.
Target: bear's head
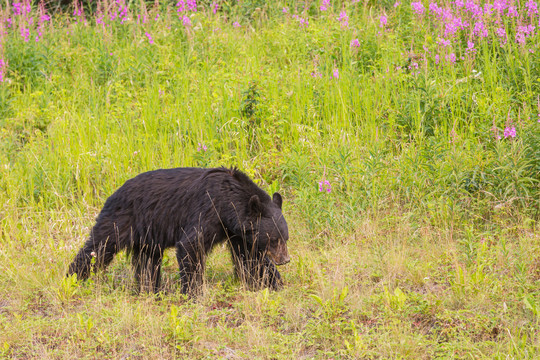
<point x="269" y="230"/>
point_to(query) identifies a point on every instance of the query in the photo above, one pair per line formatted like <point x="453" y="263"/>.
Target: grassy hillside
<point x="405" y="138"/>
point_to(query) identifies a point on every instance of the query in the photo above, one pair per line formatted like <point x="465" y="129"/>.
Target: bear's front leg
<point x="270" y="275"/>
<point x="253" y="268"/>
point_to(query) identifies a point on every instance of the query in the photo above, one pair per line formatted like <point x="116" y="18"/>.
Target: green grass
<point x="426" y="247"/>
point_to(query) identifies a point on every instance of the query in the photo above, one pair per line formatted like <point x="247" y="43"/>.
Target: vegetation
<point x="404" y="137"/>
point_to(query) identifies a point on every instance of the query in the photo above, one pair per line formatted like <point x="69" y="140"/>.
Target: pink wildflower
<point x="181" y="6"/>
<point x="303" y="22"/>
<point x="186" y="21"/>
<point x="510" y="131"/>
<point x="25" y="33"/>
<point x="434" y="8"/>
<point x="3" y="67"/>
<point x="480" y="29"/>
<point x="150" y="40"/>
<point x="500" y="5"/>
<point x="192" y="5"/>
<point x="383" y="21"/>
<point x="343" y="19"/>
<point x="418" y="7"/>
<point x="324" y="185"/>
<point x="444" y="42"/>
<point x="324" y="5"/>
<point x="532" y="8"/>
<point x="512" y="12"/>
<point x="488" y="9"/>
<point x="474" y="9"/>
<point x="17" y="8"/>
<point x="520" y="37"/>
<point x="501" y="33"/>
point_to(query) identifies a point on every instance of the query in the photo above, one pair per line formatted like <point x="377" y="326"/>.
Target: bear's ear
<point x="255" y="205"/>
<point x="277" y="199"/>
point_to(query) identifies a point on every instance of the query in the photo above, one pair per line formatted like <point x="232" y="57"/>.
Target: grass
<point x="426" y="247"/>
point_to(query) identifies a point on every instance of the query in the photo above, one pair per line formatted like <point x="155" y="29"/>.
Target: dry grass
<point x="404" y="299"/>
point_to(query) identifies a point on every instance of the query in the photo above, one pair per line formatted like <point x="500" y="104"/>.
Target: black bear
<point x="192" y="209"/>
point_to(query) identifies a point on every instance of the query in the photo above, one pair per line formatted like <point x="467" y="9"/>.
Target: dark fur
<point x="192" y="209"/>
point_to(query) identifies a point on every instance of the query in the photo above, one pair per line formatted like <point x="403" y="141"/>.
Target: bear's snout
<point x="280" y="254"/>
<point x="284" y="261"/>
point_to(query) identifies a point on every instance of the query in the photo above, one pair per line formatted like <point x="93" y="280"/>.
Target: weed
<point x="183" y="327"/>
<point x="69" y="288"/>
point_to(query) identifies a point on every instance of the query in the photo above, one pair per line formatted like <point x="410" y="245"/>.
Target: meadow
<point x="404" y="137"/>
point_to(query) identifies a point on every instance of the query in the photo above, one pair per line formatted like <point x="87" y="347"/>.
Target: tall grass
<point x="429" y="142"/>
